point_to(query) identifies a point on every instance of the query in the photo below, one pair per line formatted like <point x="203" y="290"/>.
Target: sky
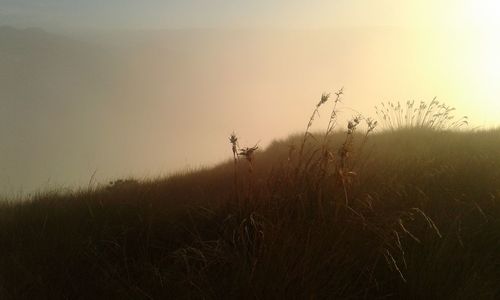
<point x="167" y="101"/>
<point x="249" y="14"/>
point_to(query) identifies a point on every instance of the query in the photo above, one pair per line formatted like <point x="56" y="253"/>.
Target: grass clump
<point x="433" y="115"/>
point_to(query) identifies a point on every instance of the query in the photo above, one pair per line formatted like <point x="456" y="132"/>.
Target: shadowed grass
<point x="408" y="214"/>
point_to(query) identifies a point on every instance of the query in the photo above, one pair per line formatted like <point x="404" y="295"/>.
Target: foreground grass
<point x="421" y="221"/>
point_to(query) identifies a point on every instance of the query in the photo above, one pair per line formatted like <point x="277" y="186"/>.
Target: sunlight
<point x="483" y="14"/>
<point x="489" y="69"/>
<point x="478" y="30"/>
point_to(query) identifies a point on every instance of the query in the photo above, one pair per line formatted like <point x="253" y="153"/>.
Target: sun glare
<point x="478" y="52"/>
<point x="484" y="14"/>
<point x="489" y="67"/>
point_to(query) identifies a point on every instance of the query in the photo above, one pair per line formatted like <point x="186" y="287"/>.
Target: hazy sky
<point x="168" y="100"/>
<point x="249" y="14"/>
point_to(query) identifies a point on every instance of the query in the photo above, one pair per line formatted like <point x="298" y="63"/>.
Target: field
<point x="407" y="213"/>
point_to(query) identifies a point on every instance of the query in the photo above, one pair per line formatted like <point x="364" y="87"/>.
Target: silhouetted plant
<point x="233" y="139"/>
<point x="434" y="115"/>
<point x="249" y="153"/>
<point x="323" y="100"/>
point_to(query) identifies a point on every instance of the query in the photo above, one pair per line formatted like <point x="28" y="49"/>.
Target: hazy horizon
<point x="243" y="14"/>
<point x="129" y="90"/>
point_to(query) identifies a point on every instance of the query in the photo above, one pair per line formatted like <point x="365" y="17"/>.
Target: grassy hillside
<point x="415" y="215"/>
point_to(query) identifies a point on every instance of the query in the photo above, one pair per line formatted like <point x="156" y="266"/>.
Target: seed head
<point x="248" y="152"/>
<point x="324" y="99"/>
<point x="371" y="124"/>
<point x="351" y="125"/>
<point x="339" y="93"/>
<point x="233" y="139"/>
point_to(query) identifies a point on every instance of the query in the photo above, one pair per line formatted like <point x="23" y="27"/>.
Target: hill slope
<point x="416" y="217"/>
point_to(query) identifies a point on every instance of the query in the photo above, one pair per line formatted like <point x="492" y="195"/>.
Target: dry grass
<point x="433" y="115"/>
<point x="354" y="214"/>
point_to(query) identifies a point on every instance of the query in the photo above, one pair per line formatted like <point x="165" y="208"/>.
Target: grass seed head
<point x="371" y="124"/>
<point x="339" y="93"/>
<point x="324" y="99"/>
<point x="233" y="139"/>
<point x="248" y="152"/>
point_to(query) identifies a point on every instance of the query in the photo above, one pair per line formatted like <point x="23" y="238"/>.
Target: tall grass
<point x="433" y="115"/>
<point x="354" y="214"/>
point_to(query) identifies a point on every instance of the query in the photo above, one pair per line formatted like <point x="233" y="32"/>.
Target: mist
<point x="113" y="104"/>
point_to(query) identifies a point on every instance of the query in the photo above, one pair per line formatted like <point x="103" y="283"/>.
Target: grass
<point x="433" y="115"/>
<point x="409" y="213"/>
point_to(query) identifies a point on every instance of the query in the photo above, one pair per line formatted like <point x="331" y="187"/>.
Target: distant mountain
<point x="52" y="92"/>
<point x="44" y="61"/>
<point x="33" y="42"/>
